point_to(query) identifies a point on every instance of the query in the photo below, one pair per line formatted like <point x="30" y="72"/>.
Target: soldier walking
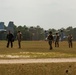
<point x="50" y="39"/>
<point x="57" y="40"/>
<point x="19" y="34"/>
<point x="70" y="38"/>
<point x="10" y="39"/>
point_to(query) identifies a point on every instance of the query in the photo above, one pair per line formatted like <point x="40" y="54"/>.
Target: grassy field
<point x="37" y="49"/>
<point x="38" y="69"/>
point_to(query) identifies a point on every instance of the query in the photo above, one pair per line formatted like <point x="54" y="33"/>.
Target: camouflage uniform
<point x="10" y="39"/>
<point x="70" y="37"/>
<point x="19" y="38"/>
<point x="50" y="39"/>
<point x="57" y="40"/>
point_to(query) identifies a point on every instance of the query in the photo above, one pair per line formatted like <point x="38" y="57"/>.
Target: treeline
<point x="37" y="33"/>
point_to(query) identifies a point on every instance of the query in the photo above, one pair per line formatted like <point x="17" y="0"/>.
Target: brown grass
<point x="37" y="49"/>
<point x="39" y="69"/>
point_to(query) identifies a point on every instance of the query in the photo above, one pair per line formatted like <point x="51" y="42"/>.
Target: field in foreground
<point x="38" y="69"/>
<point x="37" y="49"/>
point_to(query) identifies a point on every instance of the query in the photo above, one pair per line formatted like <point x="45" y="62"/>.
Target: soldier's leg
<point x="19" y="44"/>
<point x="11" y="44"/>
<point x="50" y="43"/>
<point x="8" y="43"/>
<point x="58" y="44"/>
<point x="71" y="44"/>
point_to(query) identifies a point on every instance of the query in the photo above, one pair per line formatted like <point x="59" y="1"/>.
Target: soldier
<point x="50" y="39"/>
<point x="70" y="37"/>
<point x="57" y="40"/>
<point x="10" y="39"/>
<point x="19" y="34"/>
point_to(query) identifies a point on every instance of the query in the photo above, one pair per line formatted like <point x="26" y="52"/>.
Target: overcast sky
<point x="45" y="13"/>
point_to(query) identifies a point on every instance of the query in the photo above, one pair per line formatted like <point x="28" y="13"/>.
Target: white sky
<point x="45" y="13"/>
